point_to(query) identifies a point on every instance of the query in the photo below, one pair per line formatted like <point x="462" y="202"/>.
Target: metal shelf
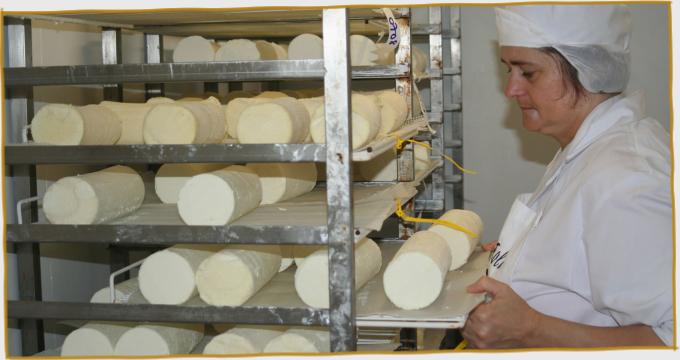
<point x="297" y="221"/>
<point x="166" y="313"/>
<point x="16" y="154"/>
<point x="137" y="154"/>
<point x="264" y="70"/>
<point x="279" y="301"/>
<point x="170" y="17"/>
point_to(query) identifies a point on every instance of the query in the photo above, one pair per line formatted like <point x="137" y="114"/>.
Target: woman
<point x="586" y="259"/>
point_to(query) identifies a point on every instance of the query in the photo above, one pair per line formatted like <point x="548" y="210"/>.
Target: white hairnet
<point x="593" y="38"/>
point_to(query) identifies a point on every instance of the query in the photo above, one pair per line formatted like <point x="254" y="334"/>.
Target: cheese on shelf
<point x="95" y="197"/>
<point x="169" y="276"/>
<point x="194" y="49"/>
<point x="311" y="277"/>
<point x="415" y="276"/>
<point x="365" y="121"/>
<point x="131" y="119"/>
<point x="306" y="340"/>
<point x="278" y="121"/>
<point x="61" y="124"/>
<point x="231" y="276"/>
<point x="243" y="339"/>
<point x="305" y="46"/>
<point x="220" y="196"/>
<point x="170" y="178"/>
<point x="283" y="181"/>
<point x="159" y="339"/>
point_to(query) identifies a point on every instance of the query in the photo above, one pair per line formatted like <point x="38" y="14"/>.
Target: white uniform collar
<point x="616" y="110"/>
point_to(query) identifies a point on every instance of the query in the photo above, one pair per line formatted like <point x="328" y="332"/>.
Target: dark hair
<point x="568" y="72"/>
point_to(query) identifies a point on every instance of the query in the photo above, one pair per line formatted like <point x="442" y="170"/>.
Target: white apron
<point x="521" y="219"/>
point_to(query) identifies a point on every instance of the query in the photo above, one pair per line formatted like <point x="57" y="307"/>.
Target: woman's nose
<point x="514" y="87"/>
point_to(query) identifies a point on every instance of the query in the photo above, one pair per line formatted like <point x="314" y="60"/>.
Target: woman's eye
<point x="528" y="74"/>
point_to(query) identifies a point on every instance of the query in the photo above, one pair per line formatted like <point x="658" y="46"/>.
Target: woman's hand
<point x="505" y="321"/>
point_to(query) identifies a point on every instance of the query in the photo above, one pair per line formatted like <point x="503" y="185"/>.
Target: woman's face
<point x="536" y="83"/>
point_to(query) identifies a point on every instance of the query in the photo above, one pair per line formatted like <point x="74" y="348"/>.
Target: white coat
<point x="593" y="244"/>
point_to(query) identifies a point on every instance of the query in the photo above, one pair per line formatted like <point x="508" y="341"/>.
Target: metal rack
<point x="338" y="233"/>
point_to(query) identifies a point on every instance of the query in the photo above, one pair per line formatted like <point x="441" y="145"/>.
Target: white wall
<point x="510" y="160"/>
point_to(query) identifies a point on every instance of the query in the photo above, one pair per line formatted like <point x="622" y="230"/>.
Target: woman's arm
<point x="507" y="321"/>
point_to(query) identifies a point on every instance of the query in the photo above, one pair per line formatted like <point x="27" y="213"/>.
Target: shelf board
<point x="297" y="221"/>
<point x="264" y="70"/>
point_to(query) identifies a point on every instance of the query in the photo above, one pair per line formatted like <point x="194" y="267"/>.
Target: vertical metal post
<point x="153" y="54"/>
<point x="112" y="54"/>
<point x="456" y="89"/>
<point x="337" y="85"/>
<point x="437" y="104"/>
<point x="405" y="161"/>
<point x="23" y="179"/>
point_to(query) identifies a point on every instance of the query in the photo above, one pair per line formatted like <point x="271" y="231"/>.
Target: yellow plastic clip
<point x="400" y="212"/>
<point x="399" y="143"/>
<point x="462" y="345"/>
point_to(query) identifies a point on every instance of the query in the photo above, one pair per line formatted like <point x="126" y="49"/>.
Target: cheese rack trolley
<point x="338" y="233"/>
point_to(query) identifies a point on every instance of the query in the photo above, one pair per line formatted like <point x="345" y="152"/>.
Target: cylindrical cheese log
<point x="300" y="252"/>
<point x="460" y="244"/>
<point x="159" y="339"/>
<point x="160" y="100"/>
<point x="415" y="276"/>
<point x="243" y="340"/>
<point x="279" y="121"/>
<point x="311" y="277"/>
<point x="218" y="121"/>
<point x="266" y="49"/>
<point x="60" y="124"/>
<point x="94" y="339"/>
<point x="300" y="340"/>
<point x="283" y="181"/>
<point x="311" y="104"/>
<point x="169" y="276"/>
<point x="382" y="168"/>
<point x="131" y="119"/>
<point x="385" y="54"/>
<point x="194" y="49"/>
<point x="219" y="197"/>
<point x="287" y="257"/>
<point x="231" y="95"/>
<point x="233" y="110"/>
<point x="393" y="111"/>
<point x="281" y="51"/>
<point x="238" y="50"/>
<point x="305" y="46"/>
<point x="170" y="178"/>
<point x="363" y="50"/>
<point x="365" y="121"/>
<point x="95" y="197"/>
<point x="271" y="95"/>
<point x="122" y="292"/>
<point x="183" y="122"/>
<point x="231" y="276"/>
<point x="421" y="157"/>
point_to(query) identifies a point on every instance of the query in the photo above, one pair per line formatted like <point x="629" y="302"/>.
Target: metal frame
<point x="338" y="108"/>
<point x="339" y="233"/>
<point x="269" y="70"/>
<point x="19" y="108"/>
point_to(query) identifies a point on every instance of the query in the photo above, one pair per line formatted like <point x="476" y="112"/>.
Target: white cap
<point x="593" y="38"/>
